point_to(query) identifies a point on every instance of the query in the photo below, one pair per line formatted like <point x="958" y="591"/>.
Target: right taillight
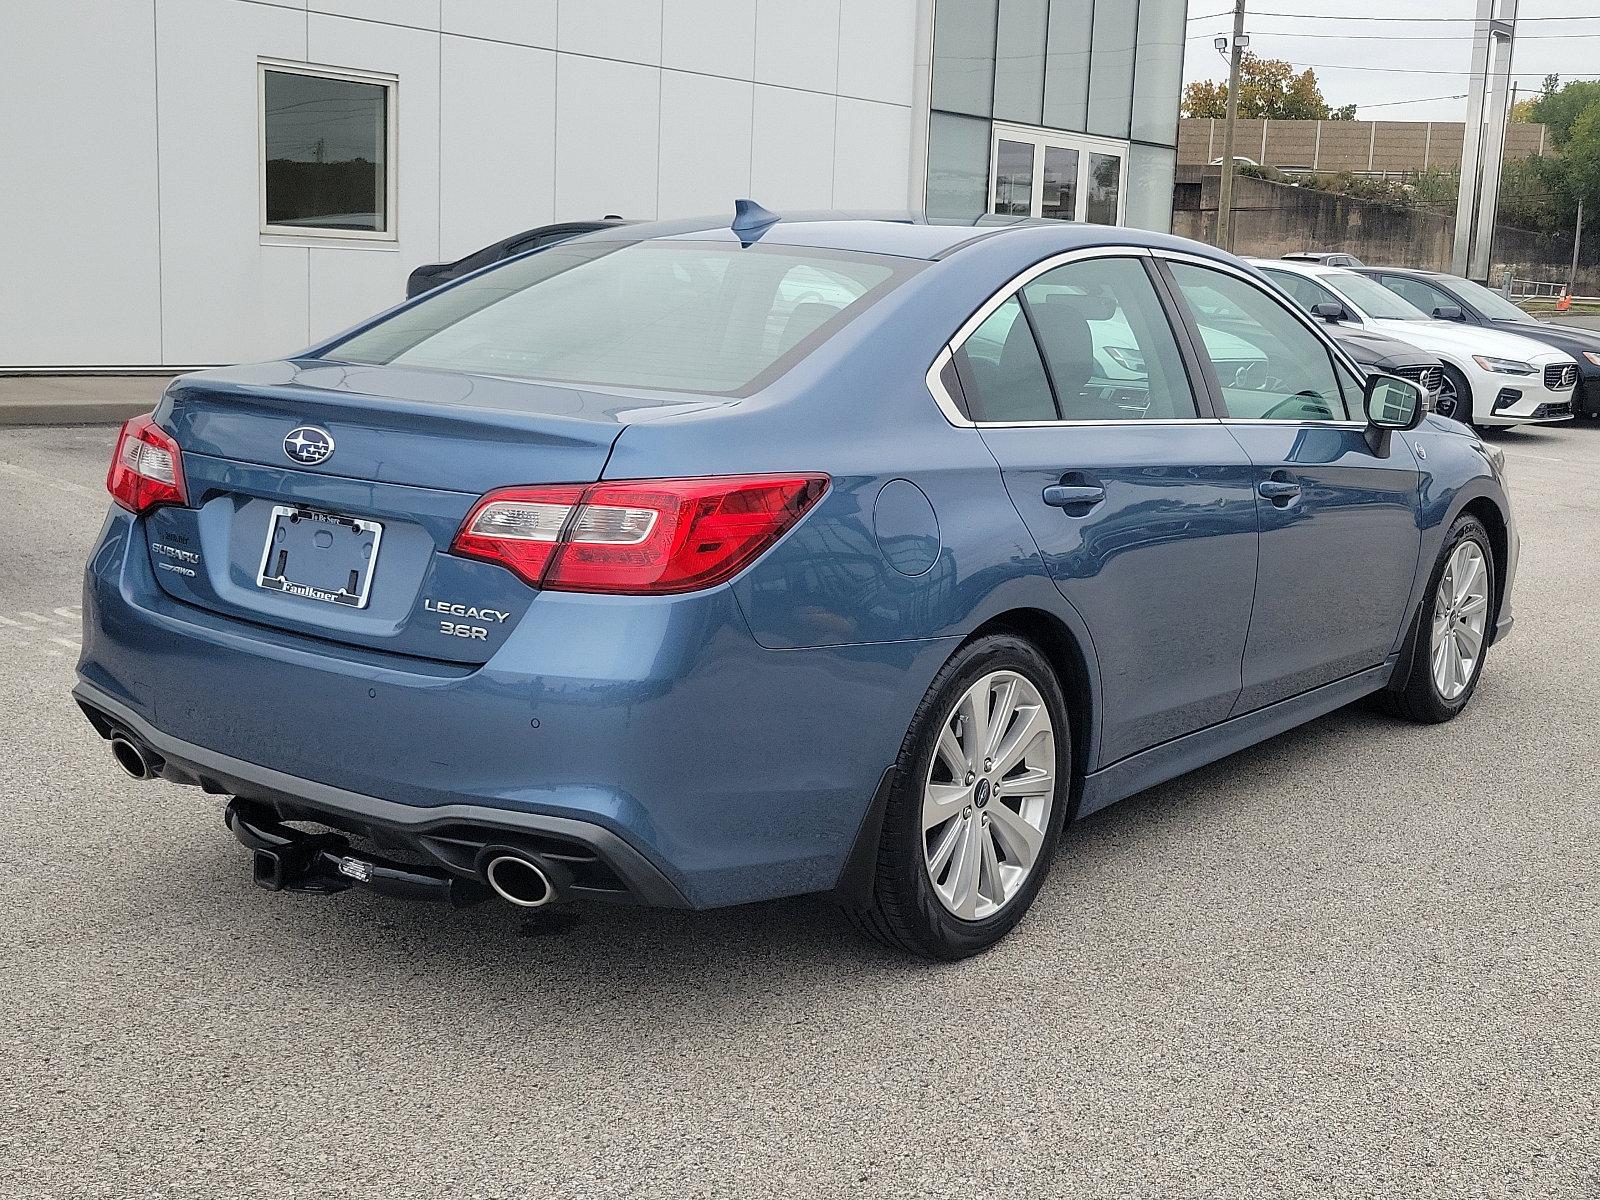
<point x="636" y="537"/>
<point x="147" y="467"/>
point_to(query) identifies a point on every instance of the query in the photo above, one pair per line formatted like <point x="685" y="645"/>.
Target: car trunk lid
<point x="353" y="549"/>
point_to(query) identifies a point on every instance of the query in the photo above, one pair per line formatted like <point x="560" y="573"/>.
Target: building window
<point x="327" y="152"/>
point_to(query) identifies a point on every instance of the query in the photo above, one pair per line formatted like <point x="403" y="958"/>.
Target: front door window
<point x="1063" y="176"/>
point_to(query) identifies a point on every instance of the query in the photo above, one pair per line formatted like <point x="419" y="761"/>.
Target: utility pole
<point x="1484" y="138"/>
<point x="1225" y="202"/>
<point x="1577" y="240"/>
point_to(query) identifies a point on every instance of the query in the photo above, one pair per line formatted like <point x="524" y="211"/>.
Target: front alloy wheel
<point x="988" y="794"/>
<point x="1450" y="632"/>
<point x="1460" y="617"/>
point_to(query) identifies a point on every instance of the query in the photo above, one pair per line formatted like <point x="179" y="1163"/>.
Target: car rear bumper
<point x="650" y="730"/>
<point x="446" y="836"/>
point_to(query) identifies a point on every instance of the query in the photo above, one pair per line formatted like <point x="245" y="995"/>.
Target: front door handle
<point x="1281" y="492"/>
<point x="1061" y="495"/>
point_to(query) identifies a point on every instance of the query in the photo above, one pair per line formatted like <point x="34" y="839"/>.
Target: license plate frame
<point x="274" y="577"/>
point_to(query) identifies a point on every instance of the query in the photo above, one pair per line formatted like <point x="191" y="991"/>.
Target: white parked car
<point x="1490" y="377"/>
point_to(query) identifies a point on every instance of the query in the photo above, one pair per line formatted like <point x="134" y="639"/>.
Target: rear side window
<point x="676" y="315"/>
<point x="1001" y="372"/>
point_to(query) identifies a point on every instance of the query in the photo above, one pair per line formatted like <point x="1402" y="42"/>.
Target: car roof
<point x="1298" y="266"/>
<point x="901" y="235"/>
<point x="1416" y="271"/>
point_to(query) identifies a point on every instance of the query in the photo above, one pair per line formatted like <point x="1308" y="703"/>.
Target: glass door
<point x="1062" y="176"/>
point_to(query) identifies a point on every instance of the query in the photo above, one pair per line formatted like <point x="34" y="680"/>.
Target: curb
<point x="77" y="399"/>
<point x="71" y="412"/>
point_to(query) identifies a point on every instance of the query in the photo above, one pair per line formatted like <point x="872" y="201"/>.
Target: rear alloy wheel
<point x="979" y="800"/>
<point x="1452" y="631"/>
<point x="987" y="800"/>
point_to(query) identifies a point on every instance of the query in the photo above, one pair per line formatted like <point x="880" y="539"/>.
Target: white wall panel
<point x="421" y="14"/>
<point x="797" y="43"/>
<point x="346" y="286"/>
<point x="606" y="143"/>
<point x="623" y="29"/>
<point x="526" y="22"/>
<point x="792" y="156"/>
<point x="349" y="283"/>
<point x="224" y="296"/>
<point x="497" y="176"/>
<point x="872" y="156"/>
<point x="877" y="46"/>
<point x="705" y="144"/>
<point x="78" y="184"/>
<point x="715" y="37"/>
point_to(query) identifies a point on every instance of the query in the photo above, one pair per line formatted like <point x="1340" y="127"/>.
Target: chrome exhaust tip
<point x="519" y="881"/>
<point x="130" y="758"/>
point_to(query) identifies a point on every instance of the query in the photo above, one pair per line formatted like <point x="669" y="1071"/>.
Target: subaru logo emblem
<point x="308" y="445"/>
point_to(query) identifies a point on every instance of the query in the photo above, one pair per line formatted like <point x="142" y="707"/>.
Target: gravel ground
<point x="1359" y="960"/>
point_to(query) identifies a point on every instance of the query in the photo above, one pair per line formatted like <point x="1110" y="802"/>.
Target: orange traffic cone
<point x="1565" y="302"/>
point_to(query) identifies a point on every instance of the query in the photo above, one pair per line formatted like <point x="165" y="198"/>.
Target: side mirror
<point x="1449" y="312"/>
<point x="1329" y="312"/>
<point x="1394" y="403"/>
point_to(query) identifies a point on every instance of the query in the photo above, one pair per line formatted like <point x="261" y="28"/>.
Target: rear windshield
<point x="681" y="315"/>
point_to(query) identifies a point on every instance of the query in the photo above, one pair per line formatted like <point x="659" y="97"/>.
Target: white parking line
<point x="61" y="485"/>
<point x="39" y="632"/>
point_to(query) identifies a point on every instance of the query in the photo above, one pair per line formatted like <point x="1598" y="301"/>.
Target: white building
<point x="190" y="182"/>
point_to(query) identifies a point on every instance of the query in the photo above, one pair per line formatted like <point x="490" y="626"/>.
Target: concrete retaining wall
<point x="1273" y="219"/>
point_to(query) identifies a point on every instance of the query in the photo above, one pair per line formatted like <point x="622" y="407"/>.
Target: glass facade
<point x="1056" y="108"/>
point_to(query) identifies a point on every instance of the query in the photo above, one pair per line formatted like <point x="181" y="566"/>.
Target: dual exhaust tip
<point x="133" y="758"/>
<point x="514" y="875"/>
<point x="517" y="879"/>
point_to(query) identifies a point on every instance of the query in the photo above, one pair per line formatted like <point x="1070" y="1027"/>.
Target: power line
<point x="1403" y="37"/>
<point x="1405" y="20"/>
<point x="1416" y="100"/>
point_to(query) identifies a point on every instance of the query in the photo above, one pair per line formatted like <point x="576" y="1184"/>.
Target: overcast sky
<point x="1375" y="63"/>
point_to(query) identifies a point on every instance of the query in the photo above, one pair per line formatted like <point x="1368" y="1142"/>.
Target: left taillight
<point x="147" y="468"/>
<point x="636" y="537"/>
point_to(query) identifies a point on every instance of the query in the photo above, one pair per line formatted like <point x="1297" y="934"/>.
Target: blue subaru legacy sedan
<point x="696" y="564"/>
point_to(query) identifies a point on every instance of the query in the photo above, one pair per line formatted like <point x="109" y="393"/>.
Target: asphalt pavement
<point x="1360" y="960"/>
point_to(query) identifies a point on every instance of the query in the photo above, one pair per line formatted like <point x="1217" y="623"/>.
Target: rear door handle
<point x="1279" y="491"/>
<point x="1061" y="495"/>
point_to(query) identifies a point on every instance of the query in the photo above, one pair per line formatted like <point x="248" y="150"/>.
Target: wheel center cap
<point x="981" y="796"/>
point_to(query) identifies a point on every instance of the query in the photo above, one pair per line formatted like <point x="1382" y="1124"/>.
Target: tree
<point x="1268" y="87"/>
<point x="1559" y="108"/>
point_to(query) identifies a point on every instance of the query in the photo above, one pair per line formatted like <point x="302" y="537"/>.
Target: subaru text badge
<point x="308" y="445"/>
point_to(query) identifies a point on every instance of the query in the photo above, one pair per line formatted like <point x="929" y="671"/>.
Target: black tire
<point x="1412" y="693"/>
<point x="901" y="909"/>
<point x="1462" y="410"/>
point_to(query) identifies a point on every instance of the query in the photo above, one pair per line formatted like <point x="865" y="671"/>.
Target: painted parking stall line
<point x="51" y="634"/>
